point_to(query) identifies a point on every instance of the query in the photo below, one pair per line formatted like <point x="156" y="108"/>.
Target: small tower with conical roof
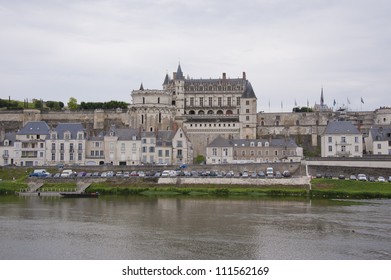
<point x="179" y="92"/>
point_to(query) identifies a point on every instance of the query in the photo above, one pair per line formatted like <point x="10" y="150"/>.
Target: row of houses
<point x="37" y="144"/>
<point x="343" y="139"/>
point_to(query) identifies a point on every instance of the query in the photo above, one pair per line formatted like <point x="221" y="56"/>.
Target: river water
<point x="137" y="227"/>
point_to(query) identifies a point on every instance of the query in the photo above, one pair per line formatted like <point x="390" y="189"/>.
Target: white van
<point x="66" y="173"/>
<point x="169" y="173"/>
<point x="40" y="173"/>
<point x="269" y="172"/>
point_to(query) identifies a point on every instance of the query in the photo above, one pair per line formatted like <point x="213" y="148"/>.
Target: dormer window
<point x="67" y="135"/>
<point x="6" y="143"/>
<point x="54" y="136"/>
<point x="259" y="144"/>
<point x="80" y="136"/>
<point x="266" y="144"/>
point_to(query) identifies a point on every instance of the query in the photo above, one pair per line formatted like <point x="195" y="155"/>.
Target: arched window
<point x="201" y="112"/>
<point x="262" y="123"/>
<point x="219" y="112"/>
<point x="191" y="112"/>
<point x="229" y="112"/>
<point x="210" y="112"/>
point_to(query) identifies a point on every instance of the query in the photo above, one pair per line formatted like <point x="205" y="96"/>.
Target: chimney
<point x="224" y="76"/>
<point x="244" y="75"/>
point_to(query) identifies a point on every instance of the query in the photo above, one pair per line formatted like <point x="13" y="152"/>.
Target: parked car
<point x="371" y="179"/>
<point x="381" y="179"/>
<point x="389" y="179"/>
<point x="353" y="177"/>
<point x="126" y="174"/>
<point x="318" y="175"/>
<point x="362" y="177"/>
<point x="341" y="177"/>
<point x="261" y="174"/>
<point x="269" y="172"/>
<point x="41" y="173"/>
<point x="67" y="173"/>
<point x="328" y="176"/>
<point x="245" y="174"/>
<point x="286" y="173"/>
<point x="278" y="175"/>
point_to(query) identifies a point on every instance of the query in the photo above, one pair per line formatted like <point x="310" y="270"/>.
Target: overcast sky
<point x="102" y="50"/>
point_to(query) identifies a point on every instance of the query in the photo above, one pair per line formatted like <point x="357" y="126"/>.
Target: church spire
<point x="321" y="97"/>
<point x="141" y="86"/>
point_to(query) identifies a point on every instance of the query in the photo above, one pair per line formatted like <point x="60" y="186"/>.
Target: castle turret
<point x="248" y="112"/>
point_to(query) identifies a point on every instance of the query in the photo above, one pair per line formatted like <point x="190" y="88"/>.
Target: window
<point x="214" y="152"/>
<point x="247" y="111"/>
<point x="192" y="101"/>
<point x="71" y="148"/>
<point x="122" y="147"/>
<point x="201" y="101"/>
<point x="330" y="139"/>
<point x="243" y="153"/>
<point x="356" y="139"/>
<point x="61" y="156"/>
<point x="80" y="146"/>
<point x="343" y="148"/>
<point x="151" y="149"/>
<point x="62" y="147"/>
<point x="144" y="149"/>
<point x="179" y="144"/>
<point x="356" y="148"/>
<point x="247" y="102"/>
<point x="134" y="149"/>
<point x="379" y="146"/>
<point x="225" y="152"/>
<point x="251" y="144"/>
<point x="330" y="148"/>
<point x="276" y="153"/>
<point x="71" y="156"/>
<point x="229" y="101"/>
<point x="53" y="156"/>
<point x="247" y="118"/>
<point x="343" y="139"/>
<point x="80" y="136"/>
<point x="210" y="101"/>
<point x="160" y="153"/>
<point x="219" y="101"/>
<point x="53" y="146"/>
<point x="167" y="153"/>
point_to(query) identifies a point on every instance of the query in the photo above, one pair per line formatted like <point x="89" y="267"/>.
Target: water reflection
<point x="192" y="228"/>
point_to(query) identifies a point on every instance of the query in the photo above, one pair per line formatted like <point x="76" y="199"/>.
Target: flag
<point x="348" y="100"/>
<point x="308" y="103"/>
<point x="295" y="102"/>
<point x="334" y="103"/>
<point x="321" y="97"/>
<point x="362" y="100"/>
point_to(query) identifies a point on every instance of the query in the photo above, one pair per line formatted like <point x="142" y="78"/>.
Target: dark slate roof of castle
<point x="73" y="128"/>
<point x="341" y="127"/>
<point x="166" y="80"/>
<point x="380" y="132"/>
<point x="179" y="73"/>
<point x="34" y="128"/>
<point x="248" y="91"/>
<point x="127" y="134"/>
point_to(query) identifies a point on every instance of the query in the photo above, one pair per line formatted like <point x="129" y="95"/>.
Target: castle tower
<point x="178" y="97"/>
<point x="248" y="113"/>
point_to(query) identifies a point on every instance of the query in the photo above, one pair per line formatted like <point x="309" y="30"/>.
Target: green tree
<point x="72" y="104"/>
<point x="200" y="159"/>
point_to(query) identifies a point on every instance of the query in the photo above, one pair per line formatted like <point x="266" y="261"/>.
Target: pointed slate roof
<point x="141" y="86"/>
<point x="179" y="73"/>
<point x="166" y="80"/>
<point x="248" y="91"/>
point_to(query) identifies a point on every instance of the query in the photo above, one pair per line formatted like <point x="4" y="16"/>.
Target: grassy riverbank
<point x="320" y="188"/>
